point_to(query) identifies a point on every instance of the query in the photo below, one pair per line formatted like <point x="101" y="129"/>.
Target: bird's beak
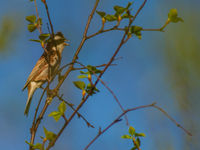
<point x="66" y="44"/>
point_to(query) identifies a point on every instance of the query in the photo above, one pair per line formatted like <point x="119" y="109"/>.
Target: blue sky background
<point x="141" y="77"/>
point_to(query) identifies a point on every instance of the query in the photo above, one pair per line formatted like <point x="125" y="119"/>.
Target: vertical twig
<point x="49" y="18"/>
<point x="39" y="27"/>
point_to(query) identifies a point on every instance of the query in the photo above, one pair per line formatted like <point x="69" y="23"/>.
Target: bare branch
<point x="114" y="122"/>
<point x="133" y="109"/>
<point x="48" y="15"/>
<point x="173" y="120"/>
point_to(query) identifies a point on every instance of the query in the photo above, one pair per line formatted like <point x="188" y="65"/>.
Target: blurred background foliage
<point x="162" y="67"/>
<point x="182" y="51"/>
<point x="9" y="28"/>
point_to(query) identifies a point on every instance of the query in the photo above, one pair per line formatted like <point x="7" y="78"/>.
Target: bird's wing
<point x="41" y="63"/>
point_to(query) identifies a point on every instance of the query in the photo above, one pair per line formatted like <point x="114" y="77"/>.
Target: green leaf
<point x="173" y="16"/>
<point x="43" y="36"/>
<point x="89" y="88"/>
<point x="31" y="0"/>
<point x="126" y="137"/>
<point x="56" y="115"/>
<point x="131" y="130"/>
<point x="29" y="143"/>
<point x="101" y="13"/>
<point x="39" y="21"/>
<point x="134" y="148"/>
<point x="119" y="10"/>
<point x="62" y="107"/>
<point x="110" y="18"/>
<point x="93" y="69"/>
<point x="126" y="15"/>
<point x="79" y="84"/>
<point x="137" y="31"/>
<point x="32" y="27"/>
<point x="140" y="134"/>
<point x="37" y="146"/>
<point x="137" y="142"/>
<point x="49" y="135"/>
<point x="128" y="5"/>
<point x="82" y="76"/>
<point x="82" y="72"/>
<point x="31" y="19"/>
<point x="39" y="41"/>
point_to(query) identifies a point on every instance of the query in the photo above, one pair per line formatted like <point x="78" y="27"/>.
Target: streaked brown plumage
<point x="40" y="73"/>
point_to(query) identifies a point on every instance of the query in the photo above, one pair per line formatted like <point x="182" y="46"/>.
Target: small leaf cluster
<point x="87" y="88"/>
<point x="42" y="39"/>
<point x="36" y="146"/>
<point x="173" y="16"/>
<point x="57" y="114"/>
<point x="49" y="136"/>
<point x="120" y="13"/>
<point x="133" y="136"/>
<point x="135" y="30"/>
<point x="33" y="22"/>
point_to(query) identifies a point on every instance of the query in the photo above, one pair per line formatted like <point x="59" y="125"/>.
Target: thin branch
<point x="50" y="22"/>
<point x="33" y="130"/>
<point x="38" y="27"/>
<point x="79" y="115"/>
<point x="65" y="118"/>
<point x="139" y="10"/>
<point x="98" y="66"/>
<point x="133" y="109"/>
<point x="165" y="25"/>
<point x="37" y="108"/>
<point x="153" y="30"/>
<point x="106" y="30"/>
<point x="173" y="120"/>
<point x="33" y="133"/>
<point x="135" y="143"/>
<point x="63" y="67"/>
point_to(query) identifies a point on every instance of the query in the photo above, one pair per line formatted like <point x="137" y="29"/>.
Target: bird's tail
<point x="31" y="89"/>
<point x="28" y="103"/>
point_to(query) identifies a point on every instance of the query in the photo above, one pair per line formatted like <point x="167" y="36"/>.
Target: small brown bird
<point x="40" y="73"/>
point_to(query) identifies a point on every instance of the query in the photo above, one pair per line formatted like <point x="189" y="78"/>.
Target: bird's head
<point x="58" y="43"/>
